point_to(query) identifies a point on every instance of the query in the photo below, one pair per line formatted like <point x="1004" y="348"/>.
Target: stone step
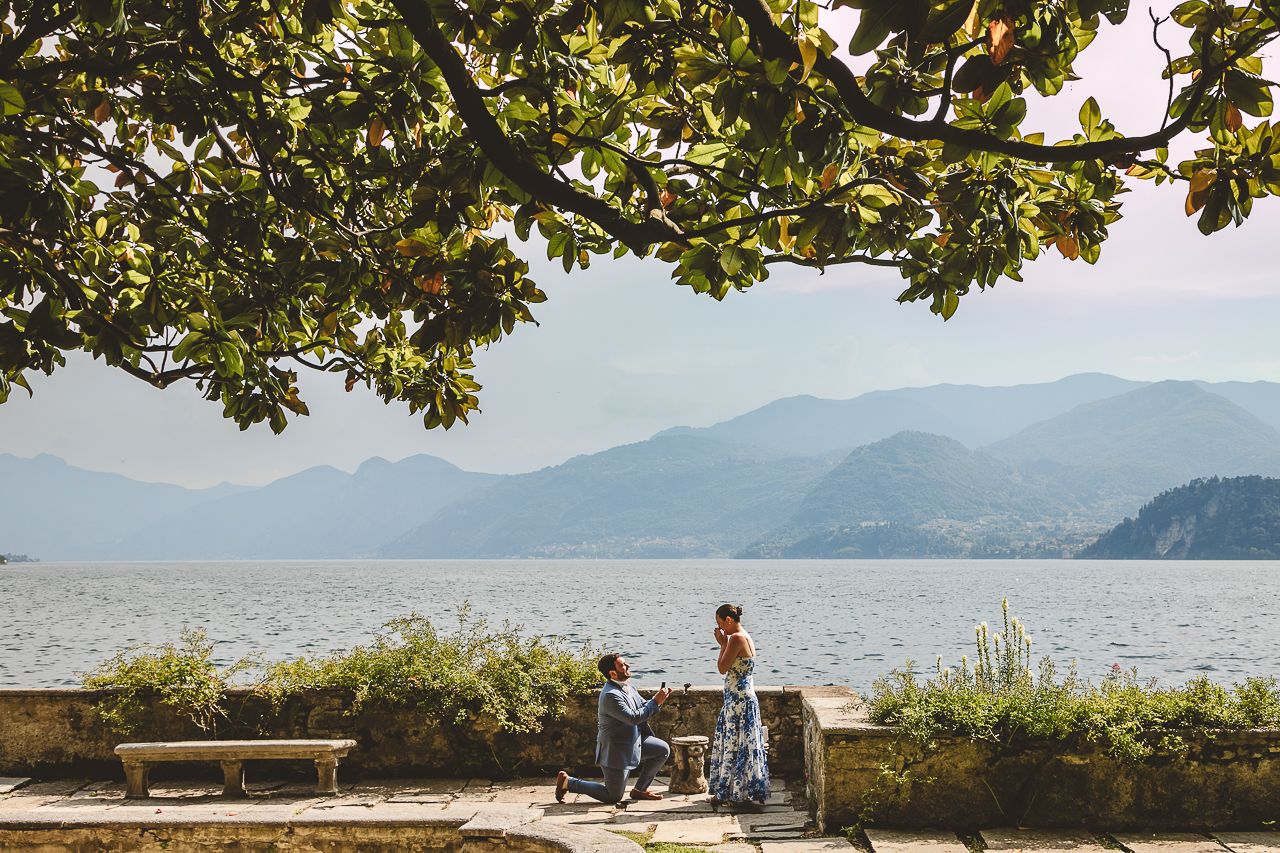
<point x="809" y="845"/>
<point x="1250" y="842"/>
<point x="920" y="841"/>
<point x="1168" y="842"/>
<point x="1047" y="840"/>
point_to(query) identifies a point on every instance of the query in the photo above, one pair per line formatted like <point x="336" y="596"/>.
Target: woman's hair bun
<point x="726" y="611"/>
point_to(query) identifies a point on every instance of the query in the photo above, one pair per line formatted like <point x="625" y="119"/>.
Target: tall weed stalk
<point x="997" y="695"/>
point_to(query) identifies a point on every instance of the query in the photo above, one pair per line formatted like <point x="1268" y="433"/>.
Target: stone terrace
<point x="676" y="819"/>
<point x="781" y="826"/>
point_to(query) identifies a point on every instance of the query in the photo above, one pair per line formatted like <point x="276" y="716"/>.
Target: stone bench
<point x="138" y="758"/>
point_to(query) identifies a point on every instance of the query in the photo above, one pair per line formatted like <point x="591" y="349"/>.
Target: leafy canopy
<point x="222" y="191"/>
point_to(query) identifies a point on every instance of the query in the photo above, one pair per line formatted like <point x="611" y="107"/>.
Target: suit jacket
<point x="622" y="714"/>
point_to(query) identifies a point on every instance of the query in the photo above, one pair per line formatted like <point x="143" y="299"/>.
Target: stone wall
<point x="1224" y="780"/>
<point x="48" y="733"/>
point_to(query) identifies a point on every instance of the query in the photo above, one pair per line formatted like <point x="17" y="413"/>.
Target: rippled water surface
<point x="838" y="622"/>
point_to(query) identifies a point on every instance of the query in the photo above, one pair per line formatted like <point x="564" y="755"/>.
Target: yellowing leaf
<point x="973" y="24"/>
<point x="411" y="248"/>
<point x="103" y="112"/>
<point x="829" y="175"/>
<point x="1233" y="119"/>
<point x="999" y="39"/>
<point x="1202" y="179"/>
<point x="376" y="128"/>
<point x="808" y="55"/>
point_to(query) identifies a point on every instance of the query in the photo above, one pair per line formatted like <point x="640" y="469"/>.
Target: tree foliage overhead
<point x="224" y="190"/>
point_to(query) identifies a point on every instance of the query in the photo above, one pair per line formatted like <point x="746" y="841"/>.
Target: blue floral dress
<point x="739" y="768"/>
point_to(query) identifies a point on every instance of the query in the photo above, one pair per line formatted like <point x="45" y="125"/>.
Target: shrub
<point x="997" y="696"/>
<point x="184" y="676"/>
<point x="474" y="670"/>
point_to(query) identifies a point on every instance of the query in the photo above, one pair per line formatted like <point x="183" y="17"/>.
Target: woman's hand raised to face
<point x="720" y="637"/>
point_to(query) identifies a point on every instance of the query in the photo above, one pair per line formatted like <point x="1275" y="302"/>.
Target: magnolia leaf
<point x="707" y="154"/>
<point x="12" y="101"/>
<point x="1090" y="115"/>
<point x="874" y="26"/>
<point x="808" y="55"/>
<point x="413" y="248"/>
<point x="1233" y="119"/>
<point x="972" y="24"/>
<point x="829" y="175"/>
<point x="1000" y="38"/>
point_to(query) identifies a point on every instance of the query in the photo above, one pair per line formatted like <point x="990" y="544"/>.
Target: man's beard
<point x="622" y="677"/>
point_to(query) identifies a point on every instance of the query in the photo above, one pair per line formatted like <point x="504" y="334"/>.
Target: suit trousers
<point x="653" y="754"/>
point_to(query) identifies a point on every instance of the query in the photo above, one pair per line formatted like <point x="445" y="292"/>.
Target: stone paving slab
<point x="759" y="821"/>
<point x="623" y="818"/>
<point x="731" y="847"/>
<point x="1250" y="842"/>
<point x="419" y="786"/>
<point x="1047" y="840"/>
<point x="494" y="823"/>
<point x="1168" y="842"/>
<point x="100" y="790"/>
<point x="695" y="830"/>
<point x="921" y="841"/>
<point x="677" y="803"/>
<point x="420" y="798"/>
<point x="808" y="845"/>
<point x="59" y="788"/>
<point x="186" y="790"/>
<point x="367" y="800"/>
<point x="582" y="819"/>
<point x="9" y="783"/>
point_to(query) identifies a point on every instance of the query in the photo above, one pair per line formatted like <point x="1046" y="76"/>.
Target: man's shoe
<point x="644" y="795"/>
<point x="562" y="786"/>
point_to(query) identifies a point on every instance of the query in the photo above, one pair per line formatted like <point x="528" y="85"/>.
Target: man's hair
<point x="608" y="663"/>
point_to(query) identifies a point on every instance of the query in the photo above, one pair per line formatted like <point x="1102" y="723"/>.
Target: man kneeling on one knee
<point x="624" y="741"/>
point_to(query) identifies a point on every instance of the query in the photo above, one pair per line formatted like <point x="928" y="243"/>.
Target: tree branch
<point x="847" y="259"/>
<point x="778" y="45"/>
<point x="498" y="149"/>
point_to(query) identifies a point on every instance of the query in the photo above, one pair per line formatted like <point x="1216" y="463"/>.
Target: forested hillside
<point x="908" y="480"/>
<point x="1114" y="454"/>
<point x="671" y="496"/>
<point x="1213" y="519"/>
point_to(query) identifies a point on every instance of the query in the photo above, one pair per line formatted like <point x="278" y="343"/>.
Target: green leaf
<point x="708" y="153"/>
<point x="11" y="100"/>
<point x="877" y="21"/>
<point x="732" y="258"/>
<point x="950" y="302"/>
<point x="1250" y="94"/>
<point x="1090" y="115"/>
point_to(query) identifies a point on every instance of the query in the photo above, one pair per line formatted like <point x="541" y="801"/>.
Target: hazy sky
<point x="622" y="352"/>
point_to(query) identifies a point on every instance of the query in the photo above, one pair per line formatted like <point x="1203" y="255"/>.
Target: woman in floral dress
<point x="739" y="767"/>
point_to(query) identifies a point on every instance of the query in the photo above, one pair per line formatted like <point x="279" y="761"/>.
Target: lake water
<point x="813" y="622"/>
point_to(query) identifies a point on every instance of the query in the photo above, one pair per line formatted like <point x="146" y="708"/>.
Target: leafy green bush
<point x="474" y="670"/>
<point x="184" y="676"/>
<point x="998" y="695"/>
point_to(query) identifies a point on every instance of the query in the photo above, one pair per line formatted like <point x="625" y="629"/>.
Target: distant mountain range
<point x="945" y="470"/>
<point x="1213" y="519"/>
<point x="971" y="414"/>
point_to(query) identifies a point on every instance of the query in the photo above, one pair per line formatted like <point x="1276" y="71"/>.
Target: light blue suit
<point x="624" y="741"/>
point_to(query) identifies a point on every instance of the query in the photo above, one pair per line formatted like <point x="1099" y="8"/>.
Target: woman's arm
<point x="729" y="652"/>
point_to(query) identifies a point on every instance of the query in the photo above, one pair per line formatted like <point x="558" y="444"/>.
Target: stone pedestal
<point x="689" y="755"/>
